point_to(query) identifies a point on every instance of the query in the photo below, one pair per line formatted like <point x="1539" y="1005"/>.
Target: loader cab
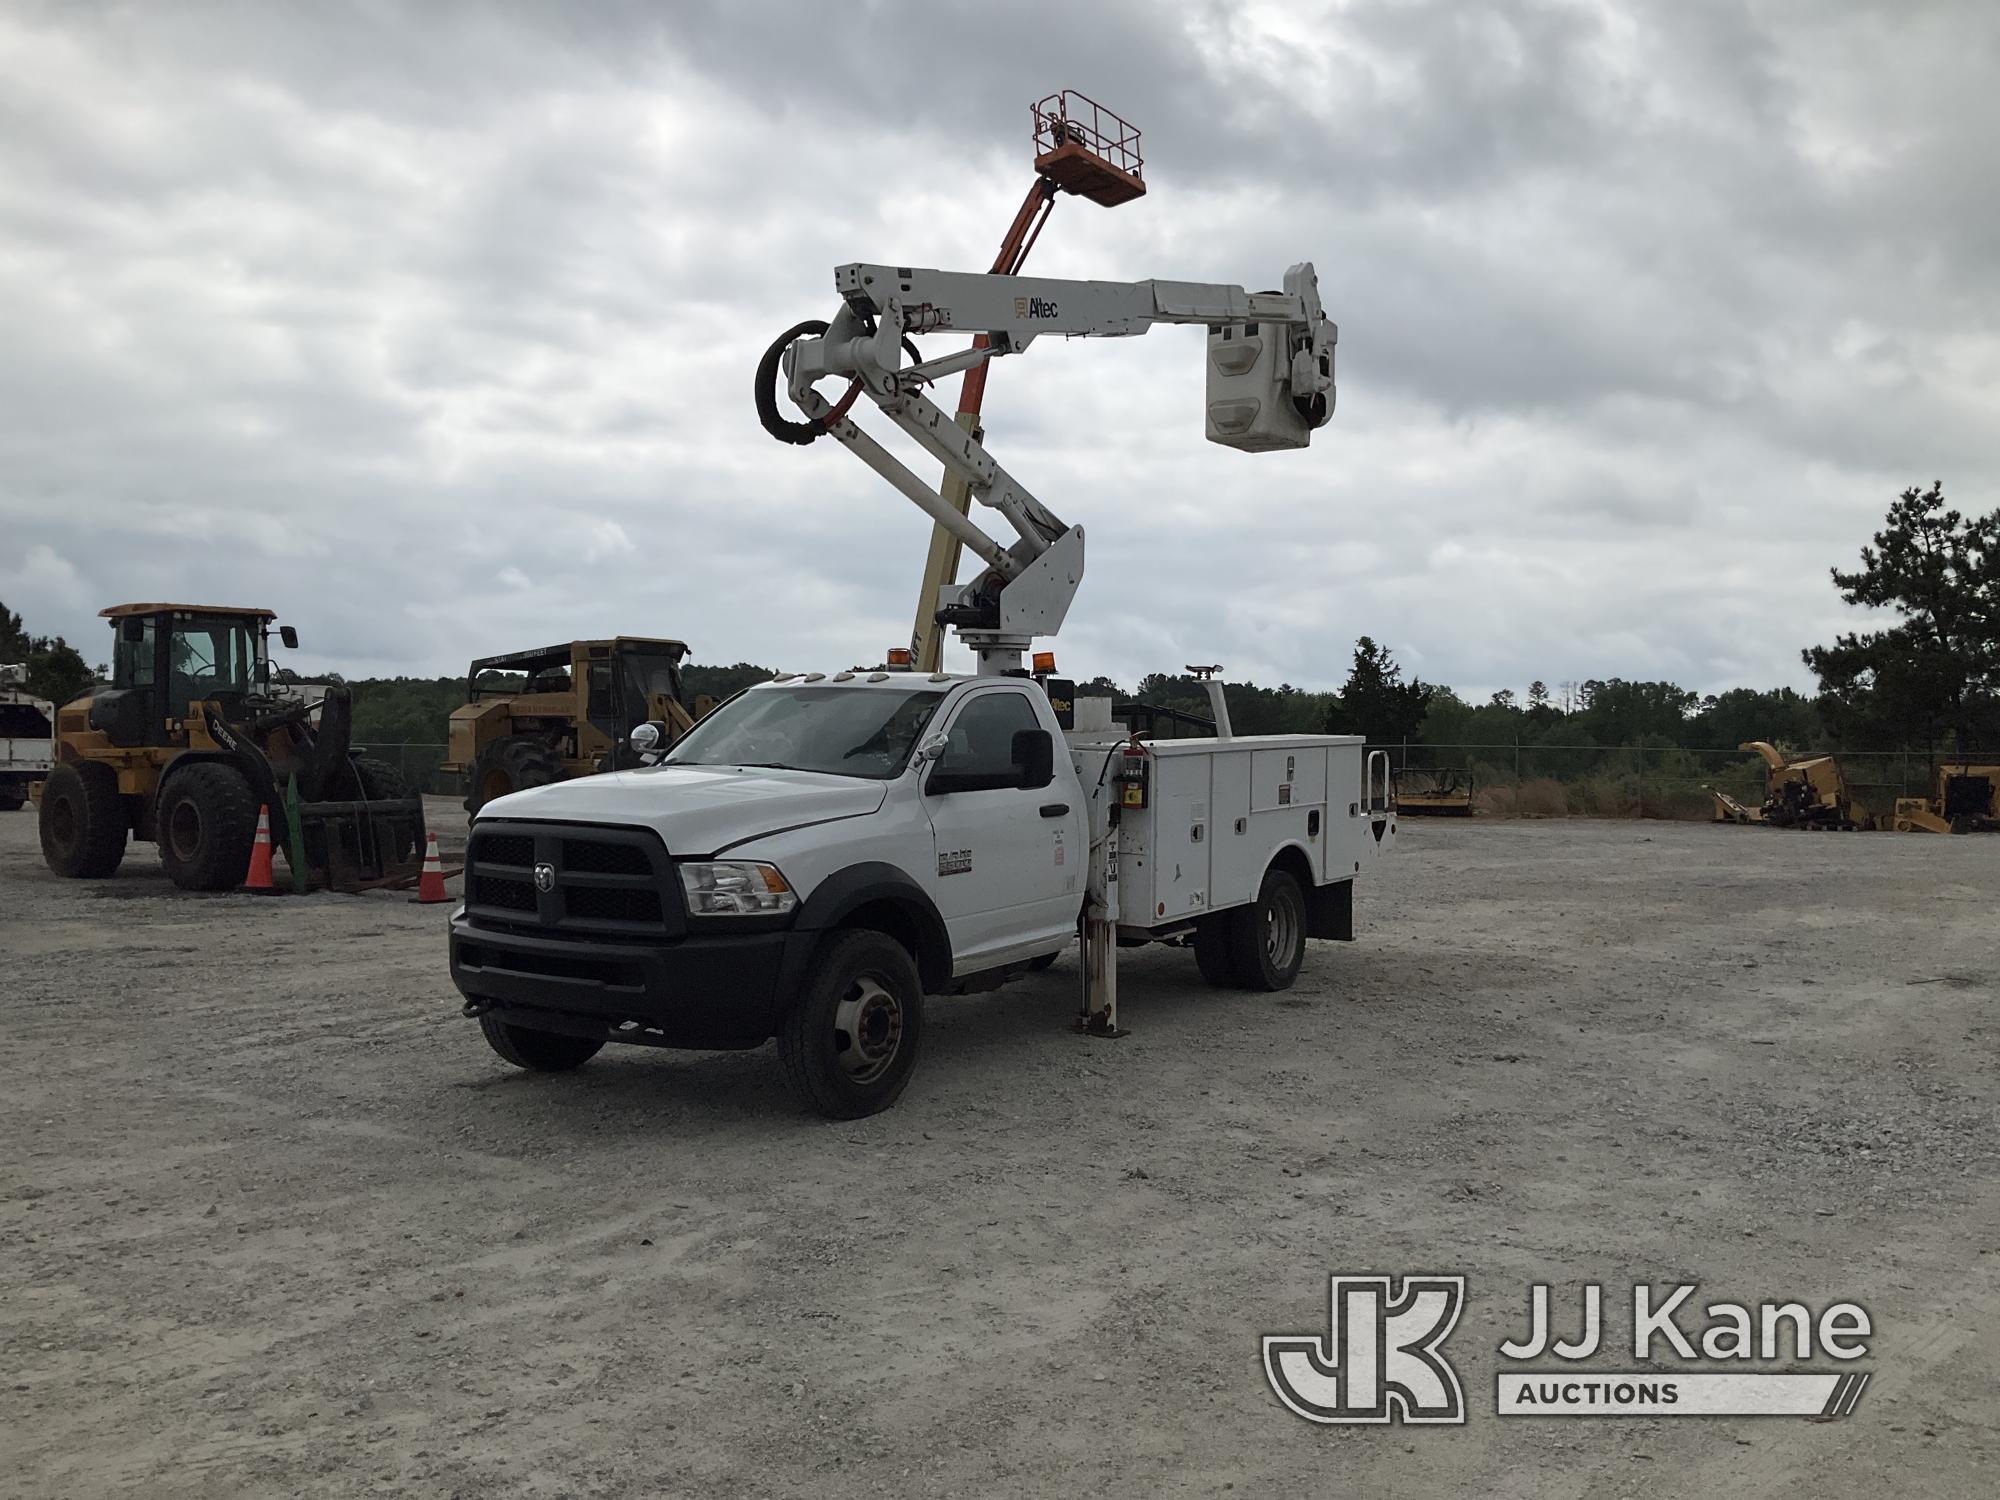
<point x="167" y="657"/>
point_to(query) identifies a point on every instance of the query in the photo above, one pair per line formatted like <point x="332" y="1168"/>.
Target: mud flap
<point x="1330" y="911"/>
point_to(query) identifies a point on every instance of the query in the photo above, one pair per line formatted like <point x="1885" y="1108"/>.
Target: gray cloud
<point x="433" y="325"/>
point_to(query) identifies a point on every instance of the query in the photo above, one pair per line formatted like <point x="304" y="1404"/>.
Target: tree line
<point x="1926" y="680"/>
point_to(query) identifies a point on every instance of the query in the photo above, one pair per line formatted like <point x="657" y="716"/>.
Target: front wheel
<point x="207" y="822"/>
<point x="1267" y="939"/>
<point x="539" y="1051"/>
<point x="851" y="1040"/>
<point x="10" y="801"/>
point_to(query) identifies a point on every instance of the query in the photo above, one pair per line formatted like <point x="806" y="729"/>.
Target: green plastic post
<point x="295" y="832"/>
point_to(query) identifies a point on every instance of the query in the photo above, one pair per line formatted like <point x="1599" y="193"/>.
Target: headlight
<point x="645" y="738"/>
<point x="735" y="888"/>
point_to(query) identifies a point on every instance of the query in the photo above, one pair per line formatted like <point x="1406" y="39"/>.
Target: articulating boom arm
<point x="1270" y="383"/>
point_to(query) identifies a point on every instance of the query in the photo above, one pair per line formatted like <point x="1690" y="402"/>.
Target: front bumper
<point x="722" y="991"/>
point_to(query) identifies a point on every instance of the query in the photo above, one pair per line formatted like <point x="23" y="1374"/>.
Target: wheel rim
<point x="184" y="829"/>
<point x="1281" y="933"/>
<point x="867" y="1030"/>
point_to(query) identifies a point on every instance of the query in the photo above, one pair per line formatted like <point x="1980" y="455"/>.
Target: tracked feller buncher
<point x="188" y="742"/>
<point x="535" y="717"/>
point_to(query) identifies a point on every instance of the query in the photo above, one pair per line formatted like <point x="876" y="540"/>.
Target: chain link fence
<point x="1643" y="781"/>
<point x="1515" y="781"/>
<point x="419" y="765"/>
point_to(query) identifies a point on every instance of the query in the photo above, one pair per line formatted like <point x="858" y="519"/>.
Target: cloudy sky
<point x="433" y="325"/>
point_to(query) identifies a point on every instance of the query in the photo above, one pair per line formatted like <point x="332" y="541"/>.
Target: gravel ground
<point x="273" y="1221"/>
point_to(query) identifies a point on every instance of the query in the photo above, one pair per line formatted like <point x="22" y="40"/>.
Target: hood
<point x="697" y="809"/>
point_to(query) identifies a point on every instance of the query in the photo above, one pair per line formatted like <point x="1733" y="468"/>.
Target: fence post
<point x="1517" y="775"/>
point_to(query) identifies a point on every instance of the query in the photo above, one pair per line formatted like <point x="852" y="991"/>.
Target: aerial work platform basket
<point x="1087" y="150"/>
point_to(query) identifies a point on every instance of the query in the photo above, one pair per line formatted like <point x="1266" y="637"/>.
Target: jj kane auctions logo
<point x="1382" y="1360"/>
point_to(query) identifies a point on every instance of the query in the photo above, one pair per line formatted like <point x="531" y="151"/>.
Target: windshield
<point x="213" y="658"/>
<point x="846" y="731"/>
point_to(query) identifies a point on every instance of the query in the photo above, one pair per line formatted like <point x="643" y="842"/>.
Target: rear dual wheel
<point x="1259" y="946"/>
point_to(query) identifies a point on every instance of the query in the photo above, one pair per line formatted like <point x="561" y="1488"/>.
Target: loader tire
<point x="1267" y="938"/>
<point x="539" y="1051"/>
<point x="207" y="822"/>
<point x="510" y="765"/>
<point x="849" y="1042"/>
<point x="83" y="822"/>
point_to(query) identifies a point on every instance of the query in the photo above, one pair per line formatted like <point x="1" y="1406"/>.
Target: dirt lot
<point x="274" y="1221"/>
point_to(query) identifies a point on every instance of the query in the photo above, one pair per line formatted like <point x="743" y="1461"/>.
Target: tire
<point x="510" y="765"/>
<point x="11" y="801"/>
<point x="1211" y="953"/>
<point x="207" y="821"/>
<point x="1267" y="939"/>
<point x="1044" y="963"/>
<point x="539" y="1051"/>
<point x="850" y="1041"/>
<point x="83" y="821"/>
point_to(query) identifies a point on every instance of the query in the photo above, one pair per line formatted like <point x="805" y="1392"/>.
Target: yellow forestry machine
<point x="533" y="717"/>
<point x="1807" y="792"/>
<point x="1967" y="801"/>
<point x="189" y="741"/>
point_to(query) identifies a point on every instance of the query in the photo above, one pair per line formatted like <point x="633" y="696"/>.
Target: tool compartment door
<point x="1169" y="866"/>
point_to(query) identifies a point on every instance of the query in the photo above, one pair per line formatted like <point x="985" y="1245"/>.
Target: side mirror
<point x="933" y="749"/>
<point x="290" y="636"/>
<point x="1035" y="754"/>
<point x="132" y="629"/>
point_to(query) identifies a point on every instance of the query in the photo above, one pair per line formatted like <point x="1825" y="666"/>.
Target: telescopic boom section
<point x="1270" y="380"/>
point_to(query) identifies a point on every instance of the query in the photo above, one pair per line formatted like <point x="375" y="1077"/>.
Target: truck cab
<point x="821" y="852"/>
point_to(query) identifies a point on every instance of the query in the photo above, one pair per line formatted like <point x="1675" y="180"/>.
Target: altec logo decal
<point x="1034" y="307"/>
<point x="1382" y="1360"/>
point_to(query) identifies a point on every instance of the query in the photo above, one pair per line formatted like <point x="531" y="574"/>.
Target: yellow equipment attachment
<point x="1434" y="791"/>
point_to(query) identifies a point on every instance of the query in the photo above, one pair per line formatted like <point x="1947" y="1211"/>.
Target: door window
<point x="132" y="660"/>
<point x="982" y="738"/>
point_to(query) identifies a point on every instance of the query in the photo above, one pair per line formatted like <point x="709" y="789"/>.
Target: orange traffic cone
<point x="430" y="885"/>
<point x="259" y="878"/>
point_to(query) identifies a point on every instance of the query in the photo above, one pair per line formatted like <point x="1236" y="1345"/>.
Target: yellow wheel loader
<point x="188" y="742"/>
<point x="533" y="717"/>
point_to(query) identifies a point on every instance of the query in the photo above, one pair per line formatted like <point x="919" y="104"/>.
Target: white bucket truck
<point x="27" y="737"/>
<point x="823" y="851"/>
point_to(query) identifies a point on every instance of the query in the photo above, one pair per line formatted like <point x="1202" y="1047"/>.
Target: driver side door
<point x="1009" y="875"/>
